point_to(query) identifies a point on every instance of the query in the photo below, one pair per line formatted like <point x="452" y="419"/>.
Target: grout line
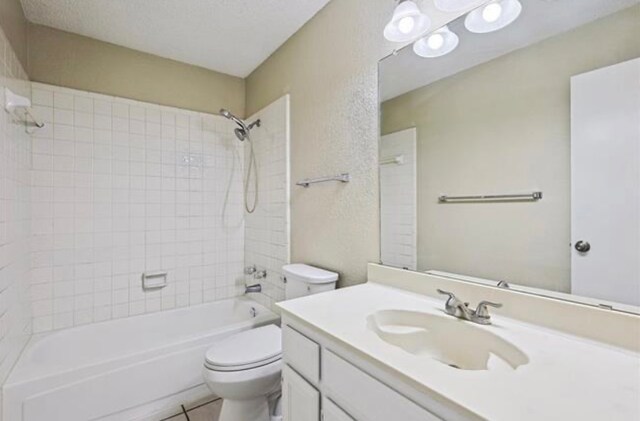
<point x="185" y="411"/>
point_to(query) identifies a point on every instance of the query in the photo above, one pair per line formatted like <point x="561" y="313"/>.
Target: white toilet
<point x="244" y="369"/>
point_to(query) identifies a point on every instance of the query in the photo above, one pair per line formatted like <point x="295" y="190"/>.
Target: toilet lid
<point x="244" y="350"/>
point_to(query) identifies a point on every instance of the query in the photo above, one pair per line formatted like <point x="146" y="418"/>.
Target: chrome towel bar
<point x="344" y="178"/>
<point x="536" y="195"/>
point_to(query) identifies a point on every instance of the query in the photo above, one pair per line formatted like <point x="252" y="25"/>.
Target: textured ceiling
<point x="229" y="36"/>
<point x="540" y="19"/>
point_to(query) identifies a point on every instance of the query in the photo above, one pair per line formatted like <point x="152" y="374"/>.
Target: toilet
<point x="244" y="369"/>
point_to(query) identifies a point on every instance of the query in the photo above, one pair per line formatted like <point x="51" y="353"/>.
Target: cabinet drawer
<point x="332" y="412"/>
<point x="301" y="353"/>
<point x="300" y="400"/>
<point x="364" y="397"/>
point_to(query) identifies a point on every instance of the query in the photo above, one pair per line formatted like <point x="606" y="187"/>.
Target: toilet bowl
<point x="244" y="370"/>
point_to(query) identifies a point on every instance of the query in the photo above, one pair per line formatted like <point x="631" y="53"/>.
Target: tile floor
<point x="206" y="412"/>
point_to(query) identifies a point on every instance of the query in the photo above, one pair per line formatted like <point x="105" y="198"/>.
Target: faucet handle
<point x="450" y="294"/>
<point x="483" y="311"/>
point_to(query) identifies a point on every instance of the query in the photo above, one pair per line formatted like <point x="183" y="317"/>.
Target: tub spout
<point x="252" y="288"/>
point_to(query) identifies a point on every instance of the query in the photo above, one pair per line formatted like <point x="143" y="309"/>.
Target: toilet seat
<point x="246" y="350"/>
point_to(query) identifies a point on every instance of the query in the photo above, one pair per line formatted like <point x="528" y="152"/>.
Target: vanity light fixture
<point x="450" y="6"/>
<point x="437" y="44"/>
<point x="407" y="23"/>
<point x="493" y="16"/>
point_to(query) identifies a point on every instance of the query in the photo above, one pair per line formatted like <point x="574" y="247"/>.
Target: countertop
<point x="567" y="377"/>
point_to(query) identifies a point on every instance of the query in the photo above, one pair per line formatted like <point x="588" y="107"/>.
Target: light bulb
<point x="438" y="44"/>
<point x="492" y="12"/>
<point x="494" y="16"/>
<point x="435" y="41"/>
<point x="406" y="24"/>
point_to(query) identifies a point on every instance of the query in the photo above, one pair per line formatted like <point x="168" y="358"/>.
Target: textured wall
<point x="14" y="25"/>
<point x="15" y="208"/>
<point x="73" y="61"/>
<point x="330" y="69"/>
<point x="123" y="187"/>
<point x="481" y="134"/>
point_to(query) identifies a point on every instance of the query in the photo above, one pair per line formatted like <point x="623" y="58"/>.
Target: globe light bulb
<point x="435" y="41"/>
<point x="406" y="24"/>
<point x="492" y="12"/>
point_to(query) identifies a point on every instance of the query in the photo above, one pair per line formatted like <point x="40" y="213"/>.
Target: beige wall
<point x="14" y="25"/>
<point x="330" y="69"/>
<point x="64" y="59"/>
<point x="504" y="126"/>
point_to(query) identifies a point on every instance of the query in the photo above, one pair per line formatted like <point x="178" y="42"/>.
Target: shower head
<point x="243" y="130"/>
<point x="227" y="114"/>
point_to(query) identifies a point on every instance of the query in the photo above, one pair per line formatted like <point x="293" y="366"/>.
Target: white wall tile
<point x="15" y="223"/>
<point x="123" y="201"/>
<point x="267" y="229"/>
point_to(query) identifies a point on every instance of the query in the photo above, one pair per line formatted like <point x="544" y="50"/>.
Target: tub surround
<point x="123" y="187"/>
<point x="567" y="361"/>
<point x="15" y="212"/>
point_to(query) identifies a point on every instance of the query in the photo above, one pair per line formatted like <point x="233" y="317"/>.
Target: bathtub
<point x="137" y="368"/>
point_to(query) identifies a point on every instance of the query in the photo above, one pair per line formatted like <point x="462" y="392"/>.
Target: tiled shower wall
<point x="120" y="188"/>
<point x="15" y="159"/>
<point x="267" y="229"/>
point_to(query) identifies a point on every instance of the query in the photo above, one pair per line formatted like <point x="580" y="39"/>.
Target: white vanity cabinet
<point x="300" y="400"/>
<point x="321" y="384"/>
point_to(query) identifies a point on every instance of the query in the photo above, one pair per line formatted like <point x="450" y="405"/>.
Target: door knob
<point x="583" y="246"/>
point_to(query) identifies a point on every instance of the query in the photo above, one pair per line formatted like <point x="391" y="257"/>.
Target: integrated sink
<point x="454" y="342"/>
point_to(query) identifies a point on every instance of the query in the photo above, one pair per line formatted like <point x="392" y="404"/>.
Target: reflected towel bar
<point x="537" y="195"/>
<point x="398" y="160"/>
<point x="344" y="178"/>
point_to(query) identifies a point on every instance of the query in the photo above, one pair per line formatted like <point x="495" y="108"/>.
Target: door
<point x="301" y="401"/>
<point x="605" y="183"/>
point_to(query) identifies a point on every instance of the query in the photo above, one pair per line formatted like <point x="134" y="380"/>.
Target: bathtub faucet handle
<point x="250" y="270"/>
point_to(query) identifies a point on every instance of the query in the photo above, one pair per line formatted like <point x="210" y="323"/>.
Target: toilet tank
<point x="304" y="280"/>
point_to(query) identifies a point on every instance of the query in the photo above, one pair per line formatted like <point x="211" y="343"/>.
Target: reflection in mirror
<point x="546" y="109"/>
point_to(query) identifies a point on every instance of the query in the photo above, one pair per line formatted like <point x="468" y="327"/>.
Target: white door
<point x="398" y="202"/>
<point x="605" y="174"/>
<point x="300" y="400"/>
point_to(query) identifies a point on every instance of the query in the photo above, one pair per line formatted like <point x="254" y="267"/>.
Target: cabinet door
<point x="366" y="398"/>
<point x="301" y="401"/>
<point x="332" y="412"/>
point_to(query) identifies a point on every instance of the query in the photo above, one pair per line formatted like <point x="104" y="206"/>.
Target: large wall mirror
<point x="514" y="155"/>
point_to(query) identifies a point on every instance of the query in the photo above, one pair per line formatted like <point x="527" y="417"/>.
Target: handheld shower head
<point x="227" y="114"/>
<point x="243" y="130"/>
<point x="242" y="133"/>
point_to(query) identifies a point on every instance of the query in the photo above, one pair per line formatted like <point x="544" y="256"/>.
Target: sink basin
<point x="451" y="341"/>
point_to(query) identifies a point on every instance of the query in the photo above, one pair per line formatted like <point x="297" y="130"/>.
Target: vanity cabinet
<point x="300" y="400"/>
<point x="332" y="412"/>
<point x="321" y="384"/>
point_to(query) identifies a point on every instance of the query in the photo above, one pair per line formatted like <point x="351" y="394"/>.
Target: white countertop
<point x="567" y="377"/>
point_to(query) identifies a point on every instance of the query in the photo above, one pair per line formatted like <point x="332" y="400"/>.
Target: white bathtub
<point x="140" y="367"/>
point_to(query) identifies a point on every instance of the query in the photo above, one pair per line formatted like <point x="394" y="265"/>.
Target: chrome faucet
<point x="260" y="274"/>
<point x="461" y="310"/>
<point x="252" y="288"/>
